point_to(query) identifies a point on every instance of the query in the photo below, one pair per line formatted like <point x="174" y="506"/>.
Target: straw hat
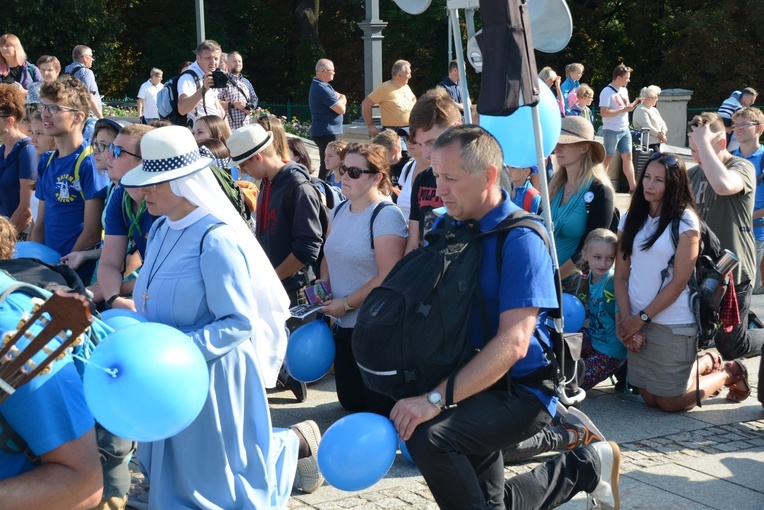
<point x="576" y="130"/>
<point x="168" y="153"/>
<point x="247" y="141"/>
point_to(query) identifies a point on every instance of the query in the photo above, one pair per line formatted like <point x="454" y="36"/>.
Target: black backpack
<point x="411" y="331"/>
<point x="167" y="100"/>
<point x="707" y="286"/>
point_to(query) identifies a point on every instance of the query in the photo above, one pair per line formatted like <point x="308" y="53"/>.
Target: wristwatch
<point x="111" y="300"/>
<point x="645" y="318"/>
<point x="346" y="305"/>
<point x="436" y="399"/>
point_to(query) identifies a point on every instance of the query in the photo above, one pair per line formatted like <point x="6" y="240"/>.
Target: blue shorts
<point x="620" y="140"/>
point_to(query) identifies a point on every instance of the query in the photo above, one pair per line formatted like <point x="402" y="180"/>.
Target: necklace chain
<point x="154" y="270"/>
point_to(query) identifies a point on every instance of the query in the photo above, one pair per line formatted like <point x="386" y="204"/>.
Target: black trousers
<point x="352" y="393"/>
<point x="741" y="342"/>
<point x="322" y="141"/>
<point x="459" y="455"/>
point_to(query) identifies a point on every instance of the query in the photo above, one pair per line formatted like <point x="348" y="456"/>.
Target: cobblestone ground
<point x="636" y="456"/>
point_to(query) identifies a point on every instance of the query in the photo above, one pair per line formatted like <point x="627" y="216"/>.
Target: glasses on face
<point x="117" y="151"/>
<point x="99" y="147"/>
<point x="669" y="161"/>
<point x="89" y="56"/>
<point x="744" y="125"/>
<point x="353" y="171"/>
<point x="54" y="109"/>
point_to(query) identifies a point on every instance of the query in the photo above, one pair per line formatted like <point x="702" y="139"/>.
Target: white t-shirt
<point x="187" y="86"/>
<point x="148" y="93"/>
<point x="615" y="100"/>
<point x="646" y="267"/>
<point x="406" y="181"/>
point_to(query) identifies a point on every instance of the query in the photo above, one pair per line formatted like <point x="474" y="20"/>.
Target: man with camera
<point x="238" y="98"/>
<point x="724" y="187"/>
<point x="198" y="94"/>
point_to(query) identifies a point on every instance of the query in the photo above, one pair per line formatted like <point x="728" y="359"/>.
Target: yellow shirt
<point x="395" y="103"/>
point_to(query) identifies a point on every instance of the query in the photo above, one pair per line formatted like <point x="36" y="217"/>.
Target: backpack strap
<point x="87" y="151"/>
<point x="377" y="208"/>
<point x="530" y="194"/>
<point x="209" y="229"/>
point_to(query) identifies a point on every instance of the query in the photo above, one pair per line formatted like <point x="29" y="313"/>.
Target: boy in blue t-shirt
<point x="748" y="126"/>
<point x="522" y="192"/>
<point x="69" y="215"/>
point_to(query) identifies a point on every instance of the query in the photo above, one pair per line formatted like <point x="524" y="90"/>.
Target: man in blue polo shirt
<point x="327" y="108"/>
<point x="458" y="449"/>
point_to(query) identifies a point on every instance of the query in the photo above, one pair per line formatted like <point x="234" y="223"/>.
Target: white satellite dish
<point x="413" y="6"/>
<point x="551" y="24"/>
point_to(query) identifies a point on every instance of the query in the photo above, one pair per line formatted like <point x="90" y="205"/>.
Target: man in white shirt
<point x="196" y="95"/>
<point x="147" y="97"/>
<point x="614" y="109"/>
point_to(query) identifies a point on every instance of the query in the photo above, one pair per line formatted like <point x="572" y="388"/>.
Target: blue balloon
<point x="120" y="318"/>
<point x="357" y="451"/>
<point x="160" y="386"/>
<point x="515" y="132"/>
<point x="310" y="352"/>
<point x="32" y="250"/>
<point x="574" y="313"/>
<point x="405" y="451"/>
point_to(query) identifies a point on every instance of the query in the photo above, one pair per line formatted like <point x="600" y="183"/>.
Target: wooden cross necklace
<point x="154" y="271"/>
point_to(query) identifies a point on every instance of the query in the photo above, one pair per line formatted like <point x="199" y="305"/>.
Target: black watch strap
<point x="449" y="403"/>
<point x="112" y="299"/>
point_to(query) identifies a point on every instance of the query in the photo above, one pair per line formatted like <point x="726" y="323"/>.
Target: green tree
<point x="54" y="27"/>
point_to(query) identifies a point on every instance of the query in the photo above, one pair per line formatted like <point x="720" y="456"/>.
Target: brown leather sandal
<point x="717" y="365"/>
<point x="739" y="389"/>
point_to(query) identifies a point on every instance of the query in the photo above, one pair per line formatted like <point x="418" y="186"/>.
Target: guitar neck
<point x="25" y="354"/>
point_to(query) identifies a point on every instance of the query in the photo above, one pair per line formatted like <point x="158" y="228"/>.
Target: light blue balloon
<point x="161" y="383"/>
<point x="574" y="313"/>
<point x="310" y="352"/>
<point x="357" y="451"/>
<point x="120" y="318"/>
<point x="405" y="451"/>
<point x="515" y="132"/>
<point x="32" y="250"/>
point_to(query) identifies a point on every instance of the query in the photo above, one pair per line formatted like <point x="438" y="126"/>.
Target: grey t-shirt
<point x="352" y="262"/>
<point x="730" y="216"/>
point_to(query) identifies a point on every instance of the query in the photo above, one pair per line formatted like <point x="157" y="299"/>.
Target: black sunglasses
<point x="669" y="161"/>
<point x="117" y="151"/>
<point x="353" y="171"/>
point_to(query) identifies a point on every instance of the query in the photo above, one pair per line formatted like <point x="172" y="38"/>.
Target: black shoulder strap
<point x="377" y="208"/>
<point x="517" y="219"/>
<point x="204" y="236"/>
<point x="610" y="86"/>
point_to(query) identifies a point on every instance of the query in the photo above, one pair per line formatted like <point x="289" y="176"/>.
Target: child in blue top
<point x="569" y="87"/>
<point x="602" y="352"/>
<point x="521" y="191"/>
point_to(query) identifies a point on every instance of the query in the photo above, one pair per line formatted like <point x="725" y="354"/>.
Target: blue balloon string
<point x="111" y="371"/>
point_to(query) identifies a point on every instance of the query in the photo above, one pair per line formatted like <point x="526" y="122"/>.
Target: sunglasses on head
<point x="668" y="160"/>
<point x="353" y="171"/>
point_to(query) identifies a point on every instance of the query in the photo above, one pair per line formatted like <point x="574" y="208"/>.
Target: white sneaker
<point x="310" y="476"/>
<point x="605" y="496"/>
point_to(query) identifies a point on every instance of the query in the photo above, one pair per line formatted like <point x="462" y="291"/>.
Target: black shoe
<point x="299" y="388"/>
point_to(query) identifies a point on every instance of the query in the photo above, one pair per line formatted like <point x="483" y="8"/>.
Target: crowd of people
<point x="142" y="213"/>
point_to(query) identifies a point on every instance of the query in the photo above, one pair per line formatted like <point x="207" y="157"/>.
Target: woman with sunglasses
<point x="18" y="161"/>
<point x="654" y="318"/>
<point x="354" y="263"/>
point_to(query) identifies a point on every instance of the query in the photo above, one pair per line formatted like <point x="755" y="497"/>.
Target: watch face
<point x="644" y="317"/>
<point x="434" y="397"/>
